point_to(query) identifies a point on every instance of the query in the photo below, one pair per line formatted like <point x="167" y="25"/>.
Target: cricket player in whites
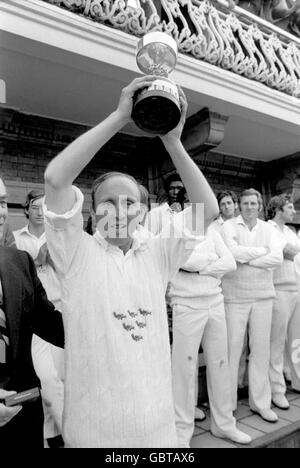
<point x="249" y="294"/>
<point x="286" y="307"/>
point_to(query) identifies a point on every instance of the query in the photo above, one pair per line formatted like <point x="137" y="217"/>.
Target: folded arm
<point x="242" y="254"/>
<point x="225" y="262"/>
<point x="274" y="257"/>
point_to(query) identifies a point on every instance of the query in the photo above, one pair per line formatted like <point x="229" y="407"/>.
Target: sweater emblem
<point x="133" y="322"/>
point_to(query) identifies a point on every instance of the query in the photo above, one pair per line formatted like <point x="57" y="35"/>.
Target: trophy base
<point x="156" y="112"/>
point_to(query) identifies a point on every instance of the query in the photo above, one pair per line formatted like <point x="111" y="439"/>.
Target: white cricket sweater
<point x="285" y="275"/>
<point x="201" y="285"/>
<point x="257" y="253"/>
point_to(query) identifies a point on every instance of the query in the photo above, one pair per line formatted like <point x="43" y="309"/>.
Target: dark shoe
<point x="56" y="442"/>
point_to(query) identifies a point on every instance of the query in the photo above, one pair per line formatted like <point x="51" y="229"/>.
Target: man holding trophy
<point x="118" y="388"/>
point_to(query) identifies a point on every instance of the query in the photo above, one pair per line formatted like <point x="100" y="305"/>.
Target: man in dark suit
<point x="24" y="310"/>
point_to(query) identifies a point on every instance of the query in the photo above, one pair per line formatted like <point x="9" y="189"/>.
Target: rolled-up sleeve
<point x="64" y="233"/>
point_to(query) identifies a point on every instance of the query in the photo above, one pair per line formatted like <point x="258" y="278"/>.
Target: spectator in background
<point x="286" y="306"/>
<point x="249" y="294"/>
<point x="32" y="236"/>
<point x="228" y="204"/>
<point x="173" y="184"/>
<point x="48" y="359"/>
<point x="161" y="215"/>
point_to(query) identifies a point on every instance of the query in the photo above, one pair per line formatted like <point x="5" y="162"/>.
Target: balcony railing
<point x="283" y="13"/>
<point x="239" y="42"/>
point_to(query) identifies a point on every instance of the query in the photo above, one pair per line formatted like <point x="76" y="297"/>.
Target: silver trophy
<point x="157" y="110"/>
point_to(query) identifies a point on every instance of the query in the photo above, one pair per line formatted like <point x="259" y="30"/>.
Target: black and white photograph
<point x="149" y="226"/>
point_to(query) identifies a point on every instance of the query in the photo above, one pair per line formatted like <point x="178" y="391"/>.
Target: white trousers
<point x="258" y="317"/>
<point x="190" y="328"/>
<point x="285" y="332"/>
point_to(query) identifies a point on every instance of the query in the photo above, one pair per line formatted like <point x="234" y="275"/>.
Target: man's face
<point x="173" y="190"/>
<point x="35" y="212"/>
<point x="249" y="207"/>
<point x="288" y="212"/>
<point x="3" y="203"/>
<point x="227" y="207"/>
<point x="118" y="209"/>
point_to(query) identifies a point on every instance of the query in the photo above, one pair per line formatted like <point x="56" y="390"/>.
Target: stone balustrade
<point x="211" y="31"/>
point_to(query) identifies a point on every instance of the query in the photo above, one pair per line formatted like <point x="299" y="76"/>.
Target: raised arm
<point x="64" y="169"/>
<point x="197" y="187"/>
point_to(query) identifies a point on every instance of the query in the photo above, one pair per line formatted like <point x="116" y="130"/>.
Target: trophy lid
<point x="156" y="53"/>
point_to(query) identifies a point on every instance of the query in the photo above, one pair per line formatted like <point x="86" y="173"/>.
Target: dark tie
<point x="4" y="340"/>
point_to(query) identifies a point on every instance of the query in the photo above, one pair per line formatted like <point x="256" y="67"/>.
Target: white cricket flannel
<point x="285" y="278"/>
<point x="216" y="225"/>
<point x="29" y="242"/>
<point x="118" y="368"/>
<point x="257" y="253"/>
<point x="209" y="261"/>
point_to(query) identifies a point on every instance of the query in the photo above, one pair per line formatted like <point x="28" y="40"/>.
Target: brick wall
<point x="222" y="171"/>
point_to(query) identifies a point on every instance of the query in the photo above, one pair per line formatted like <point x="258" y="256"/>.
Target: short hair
<point x="249" y="193"/>
<point x="227" y="193"/>
<point x="172" y="178"/>
<point x="31" y="196"/>
<point x="108" y="175"/>
<point x="277" y="203"/>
